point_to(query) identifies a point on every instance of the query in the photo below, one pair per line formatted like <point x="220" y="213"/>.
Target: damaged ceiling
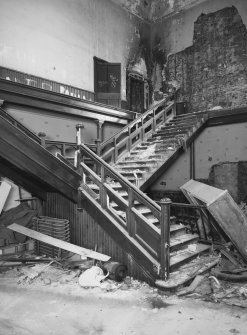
<point x="153" y="10"/>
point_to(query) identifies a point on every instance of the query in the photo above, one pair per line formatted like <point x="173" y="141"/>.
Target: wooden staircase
<point x="142" y="227"/>
<point x="112" y="191"/>
<point x="144" y="149"/>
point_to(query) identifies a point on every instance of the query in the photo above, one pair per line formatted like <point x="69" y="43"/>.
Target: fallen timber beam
<point x="58" y="243"/>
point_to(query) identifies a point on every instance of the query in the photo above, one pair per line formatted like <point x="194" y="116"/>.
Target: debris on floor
<point x="226" y="283"/>
<point x="58" y="243"/>
<point x="188" y="272"/>
<point x="92" y="277"/>
<point x="22" y="215"/>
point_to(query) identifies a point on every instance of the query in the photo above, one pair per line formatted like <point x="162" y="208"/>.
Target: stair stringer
<point x="149" y="265"/>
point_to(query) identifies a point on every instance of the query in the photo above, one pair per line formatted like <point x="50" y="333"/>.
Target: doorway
<point x="107" y="82"/>
<point x="138" y="93"/>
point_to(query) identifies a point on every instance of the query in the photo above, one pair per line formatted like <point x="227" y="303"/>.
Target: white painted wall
<point x="214" y="145"/>
<point x="57" y="39"/>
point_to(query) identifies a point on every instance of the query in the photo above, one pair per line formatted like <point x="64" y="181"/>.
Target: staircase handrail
<point x="139" y="120"/>
<point x="154" y="240"/>
<point x="19" y="125"/>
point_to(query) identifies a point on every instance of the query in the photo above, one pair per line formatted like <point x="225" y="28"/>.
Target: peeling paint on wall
<point x="212" y="71"/>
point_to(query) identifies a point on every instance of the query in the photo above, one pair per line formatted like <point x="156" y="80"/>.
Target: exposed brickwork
<point x="231" y="176"/>
<point x="212" y="71"/>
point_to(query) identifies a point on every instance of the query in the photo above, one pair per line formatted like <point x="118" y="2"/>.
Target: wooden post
<point x="42" y="138"/>
<point x="103" y="193"/>
<point x="100" y="129"/>
<point x="115" y="150"/>
<point x="130" y="217"/>
<point x="97" y="142"/>
<point x="63" y="149"/>
<point x="153" y="123"/>
<point x="174" y="109"/>
<point x="165" y="238"/>
<point x="192" y="160"/>
<point x="79" y="128"/>
<point x="142" y="131"/>
<point x="129" y="140"/>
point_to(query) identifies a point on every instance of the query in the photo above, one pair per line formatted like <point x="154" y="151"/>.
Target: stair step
<point x="177" y="229"/>
<point x="186" y="255"/>
<point x="194" y="113"/>
<point x="141" y="147"/>
<point x="147" y="144"/>
<point x="168" y="151"/>
<point x="166" y="141"/>
<point x="164" y="136"/>
<point x="153" y="140"/>
<point x="131" y="172"/>
<point x="144" y="162"/>
<point x="183" y="123"/>
<point x="157" y="156"/>
<point x="188" y="115"/>
<point x="131" y="168"/>
<point x="172" y="133"/>
<point x="175" y="127"/>
<point x="134" y="152"/>
<point x="179" y="242"/>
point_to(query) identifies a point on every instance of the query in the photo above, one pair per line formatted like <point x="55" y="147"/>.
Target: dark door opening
<point x="137" y="93"/>
<point x="107" y="82"/>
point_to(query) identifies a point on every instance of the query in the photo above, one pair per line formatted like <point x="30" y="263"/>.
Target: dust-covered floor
<point x="69" y="309"/>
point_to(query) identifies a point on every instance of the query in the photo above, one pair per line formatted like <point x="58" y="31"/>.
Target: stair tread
<point x="186" y="254"/>
<point x="175" y="227"/>
<point x="182" y="239"/>
<point x="130" y="172"/>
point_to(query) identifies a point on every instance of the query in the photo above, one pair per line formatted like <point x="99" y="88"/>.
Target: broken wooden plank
<point x="58" y="243"/>
<point x="197" y="280"/>
<point x="4" y="192"/>
<point x="181" y="278"/>
<point x="227" y="214"/>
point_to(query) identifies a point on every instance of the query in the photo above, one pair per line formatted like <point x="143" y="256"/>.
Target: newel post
<point x="165" y="238"/>
<point x="42" y="137"/>
<point x="79" y="128"/>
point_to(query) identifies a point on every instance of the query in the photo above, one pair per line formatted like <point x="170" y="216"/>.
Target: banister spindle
<point x="77" y="158"/>
<point x="103" y="192"/>
<point x="42" y="137"/>
<point x="130" y="216"/>
<point x="129" y="140"/>
<point x="79" y="129"/>
<point x="165" y="238"/>
<point x="115" y="150"/>
<point x="142" y="130"/>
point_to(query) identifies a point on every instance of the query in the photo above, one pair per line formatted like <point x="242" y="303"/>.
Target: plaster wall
<point x="58" y="127"/>
<point x="173" y="28"/>
<point x="213" y="146"/>
<point x="58" y="39"/>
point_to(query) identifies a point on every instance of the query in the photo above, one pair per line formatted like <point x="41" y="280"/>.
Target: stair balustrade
<point x="196" y="217"/>
<point x="106" y="180"/>
<point x="136" y="131"/>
